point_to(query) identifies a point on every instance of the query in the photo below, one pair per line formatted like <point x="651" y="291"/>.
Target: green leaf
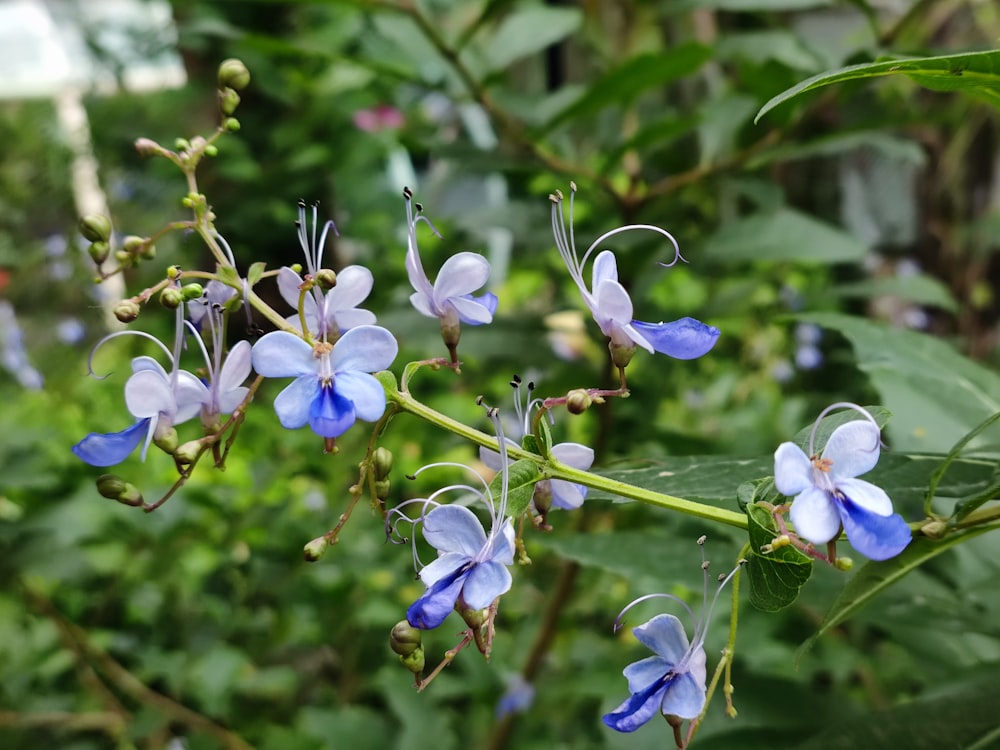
<point x="255" y="271"/>
<point x="775" y="578"/>
<point x="905" y="366"/>
<point x="919" y="289"/>
<point x="874" y="577"/>
<point x="755" y="491"/>
<point x="639" y="73"/>
<point x="523" y="475"/>
<point x="782" y="235"/>
<point x="721" y="121"/>
<point x="750" y="5"/>
<point x="530" y="30"/>
<point x="977" y="73"/>
<point x="962" y="509"/>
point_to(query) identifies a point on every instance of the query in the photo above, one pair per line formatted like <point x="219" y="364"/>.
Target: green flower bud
<point x="127" y="310"/>
<point x="122" y="256"/>
<point x="99" y="251"/>
<point x="231" y="124"/>
<point x="326" y="278"/>
<point x="182" y="144"/>
<point x="133" y="243"/>
<point x="211" y="150"/>
<point x="578" y="401"/>
<point x="234" y="74"/>
<point x="174" y="272"/>
<point x="844" y="563"/>
<point x="96" y="227"/>
<point x="382" y="463"/>
<point x="111" y="485"/>
<point x="621" y="355"/>
<point x="382" y="487"/>
<point x="130" y="496"/>
<point x="934" y="529"/>
<point x="414" y="662"/>
<point x="187" y="453"/>
<point x="192" y="291"/>
<point x="167" y="441"/>
<point x="315" y="549"/>
<point x="229" y="100"/>
<point x="404" y="638"/>
<point x="171" y="298"/>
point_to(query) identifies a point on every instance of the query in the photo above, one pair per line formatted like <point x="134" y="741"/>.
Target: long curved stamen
<point x="843" y="405"/>
<point x="225" y="248"/>
<point x="619" y="624"/>
<point x="322" y="238"/>
<point x="116" y="334"/>
<point x="698" y="637"/>
<point x="303" y="235"/>
<point x="456" y="465"/>
<point x="565" y="243"/>
<point x="178" y="345"/>
<point x="629" y="228"/>
<point x="498" y="513"/>
<point x="211" y="364"/>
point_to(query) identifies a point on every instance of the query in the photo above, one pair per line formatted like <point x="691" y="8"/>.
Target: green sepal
<point x="255" y="271"/>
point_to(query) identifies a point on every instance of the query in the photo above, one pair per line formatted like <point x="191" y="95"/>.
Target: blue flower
<point x="611" y="305"/>
<point x="828" y="496"/>
<point x="332" y="385"/>
<point x="517" y="698"/>
<point x="449" y="298"/>
<point x="328" y="314"/>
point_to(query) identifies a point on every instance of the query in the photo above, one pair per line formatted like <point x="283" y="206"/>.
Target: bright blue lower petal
<point x="640" y="707"/>
<point x="874" y="536"/>
<point x="438" y="601"/>
<point x="330" y="414"/>
<point x="108" y="449"/>
<point x="686" y="338"/>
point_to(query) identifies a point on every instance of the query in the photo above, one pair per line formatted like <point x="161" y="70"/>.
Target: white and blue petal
<point x="664" y="635"/>
<point x="453" y="528"/>
<point x="364" y="391"/>
<point x="605" y="267"/>
<point x="231" y="376"/>
<point x="330" y="414"/>
<point x="463" y="273"/>
<point x="294" y="403"/>
<point x="190" y="394"/>
<point x="643" y="673"/>
<point x="365" y="349"/>
<point x="431" y="609"/>
<point x="444" y="566"/>
<point x="474" y="311"/>
<point x="280" y="354"/>
<point x="111" y="448"/>
<point x="684" y="697"/>
<point x="565" y="494"/>
<point x="815" y="516"/>
<point x="613" y="304"/>
<point x="686" y="338"/>
<point x="876" y="536"/>
<point x="792" y="470"/>
<point x="853" y="449"/>
<point x="639" y="708"/>
<point x="485" y="582"/>
<point x="148" y="394"/>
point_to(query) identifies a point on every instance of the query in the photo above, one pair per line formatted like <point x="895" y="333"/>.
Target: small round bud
<point x="844" y="563"/>
<point x="130" y="496"/>
<point x="147" y="147"/>
<point x="234" y="74"/>
<point x="297" y="267"/>
<point x="147" y="251"/>
<point x="99" y="251"/>
<point x="166" y="441"/>
<point x="382" y="487"/>
<point x="171" y="298"/>
<point x="96" y="227"/>
<point x="315" y="549"/>
<point x="211" y="150"/>
<point x="229" y="100"/>
<point x="382" y="462"/>
<point x="414" y="662"/>
<point x="192" y="291"/>
<point x="182" y="144"/>
<point x="132" y="243"/>
<point x="326" y="279"/>
<point x="404" y="638"/>
<point x="231" y="124"/>
<point x="174" y="273"/>
<point x="188" y="452"/>
<point x="111" y="485"/>
<point x="578" y="401"/>
<point x="127" y="310"/>
<point x="621" y="355"/>
<point x="122" y="256"/>
<point x="934" y="529"/>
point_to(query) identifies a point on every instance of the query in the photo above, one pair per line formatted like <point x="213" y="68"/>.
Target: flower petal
<point x="605" y="267"/>
<point x="686" y="338"/>
<point x="664" y="635"/>
<point x="422" y="303"/>
<point x="867" y="495"/>
<point x="364" y="391"/>
<point x="815" y="516"/>
<point x="461" y="274"/>
<point x="148" y="363"/>
<point x="643" y="673"/>
<point x="472" y="312"/>
<point x="280" y="354"/>
<point x="485" y="582"/>
<point x="189" y="396"/>
<point x="330" y="414"/>
<point x="288" y="286"/>
<point x="639" y="708"/>
<point x="431" y="609"/>
<point x="345" y="320"/>
<point x="365" y="349"/>
<point x="574" y="455"/>
<point x="147" y="393"/>
<point x="875" y="536"/>
<point x="110" y="448"/>
<point x="444" y="566"/>
<point x="792" y="470"/>
<point x="354" y="284"/>
<point x="294" y="403"/>
<point x="453" y="528"/>
<point x="567" y="495"/>
<point x="613" y="302"/>
<point x="236" y="367"/>
<point x="853" y="449"/>
<point x="684" y="697"/>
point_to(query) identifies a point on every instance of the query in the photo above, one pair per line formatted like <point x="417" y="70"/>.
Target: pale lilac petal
<point x="293" y="404"/>
<point x="574" y="455"/>
<point x="502" y="550"/>
<point x="463" y="273"/>
<point x="471" y="312"/>
<point x="792" y="470"/>
<point x="422" y="303"/>
<point x="605" y="267"/>
<point x="686" y="338"/>
<point x="485" y="582"/>
<point x="190" y="394"/>
<point x="613" y="301"/>
<point x="643" y="673"/>
<point x="415" y="272"/>
<point x="815" y="516"/>
<point x="567" y="495"/>
<point x="108" y="449"/>
<point x="364" y="349"/>
<point x="236" y="367"/>
<point x="354" y="284"/>
<point x="281" y="354"/>
<point x="853" y="449"/>
<point x="684" y="697"/>
<point x="364" y="391"/>
<point x="867" y="495"/>
<point x="633" y="335"/>
<point x="230" y="400"/>
<point x="148" y="363"/>
<point x="663" y="635"/>
<point x="874" y="536"/>
<point x="452" y="528"/>
<point x="288" y="286"/>
<point x="147" y="393"/>
<point x="446" y="565"/>
<point x="347" y="319"/>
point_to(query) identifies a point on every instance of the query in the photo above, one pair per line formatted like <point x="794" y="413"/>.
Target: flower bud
<point x="229" y="100"/>
<point x="326" y="279"/>
<point x="171" y="298"/>
<point x="188" y="452"/>
<point x="844" y="564"/>
<point x="173" y="272"/>
<point x="934" y="529"/>
<point x="147" y="147"/>
<point x="166" y="441"/>
<point x="382" y="463"/>
<point x="130" y="496"/>
<point x="211" y="150"/>
<point x="99" y="251"/>
<point x="578" y="401"/>
<point x="414" y="662"/>
<point x="192" y="291"/>
<point x="96" y="227"/>
<point x="621" y="355"/>
<point x="231" y="124"/>
<point x="182" y="144"/>
<point x="127" y="310"/>
<point x="382" y="487"/>
<point x="404" y="638"/>
<point x="133" y="243"/>
<point x="315" y="549"/>
<point x="234" y="74"/>
<point x="111" y="485"/>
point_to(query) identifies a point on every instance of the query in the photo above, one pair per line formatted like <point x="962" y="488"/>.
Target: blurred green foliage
<point x="815" y="239"/>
